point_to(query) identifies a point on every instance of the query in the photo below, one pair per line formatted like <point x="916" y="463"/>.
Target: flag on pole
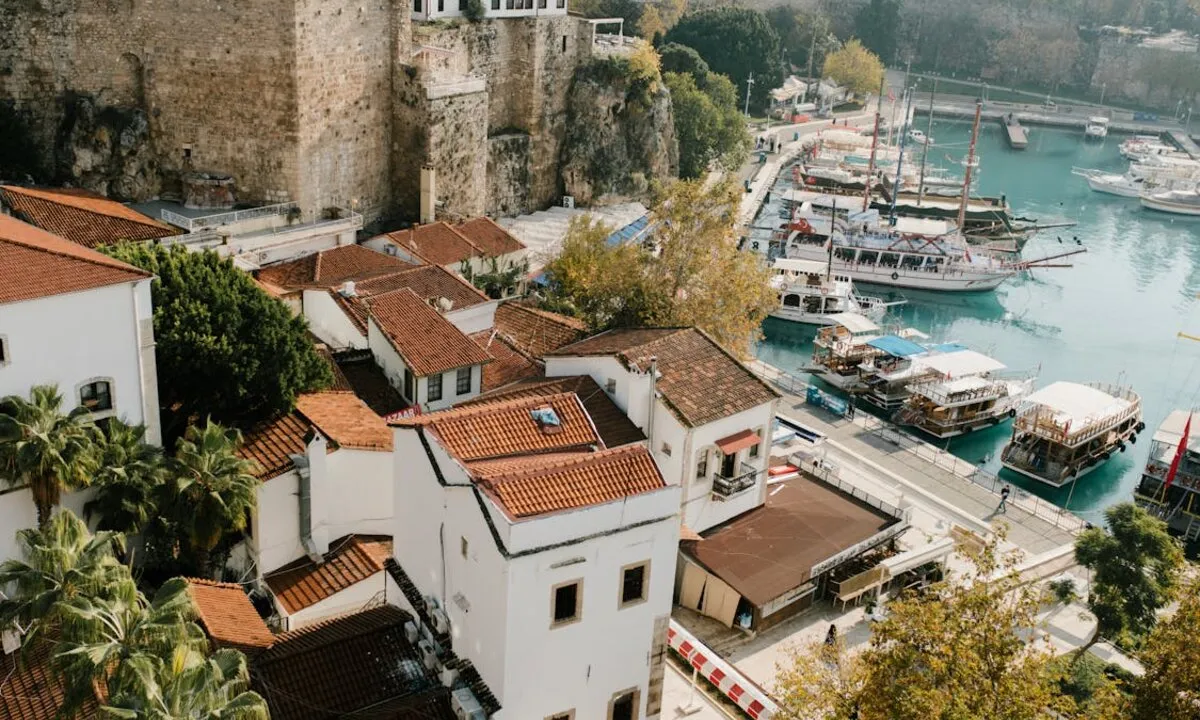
<point x="1179" y="451"/>
<point x="891" y="95"/>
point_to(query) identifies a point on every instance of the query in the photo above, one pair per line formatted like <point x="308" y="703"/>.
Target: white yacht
<point x="811" y="293"/>
<point x="1096" y="128"/>
<point x="1176" y="202"/>
<point x="919" y="137"/>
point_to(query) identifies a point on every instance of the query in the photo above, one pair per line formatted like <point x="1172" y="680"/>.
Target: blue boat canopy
<point x="896" y="345"/>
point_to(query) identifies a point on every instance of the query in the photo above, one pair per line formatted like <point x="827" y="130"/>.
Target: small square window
<point x="96" y="396"/>
<point x="433" y="391"/>
<point x="508" y="4"/>
<point x="563" y="4"/>
<point x="702" y="465"/>
<point x="4" y="359"/>
<point x="416" y="5"/>
<point x="462" y="382"/>
<point x="566" y="602"/>
<point x="610" y="386"/>
<point x="753" y="450"/>
<point x="495" y="4"/>
<point x="633" y="583"/>
<point x="541" y="3"/>
<point x="464" y="546"/>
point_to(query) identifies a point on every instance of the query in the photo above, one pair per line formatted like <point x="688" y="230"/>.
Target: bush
<point x="474" y="10"/>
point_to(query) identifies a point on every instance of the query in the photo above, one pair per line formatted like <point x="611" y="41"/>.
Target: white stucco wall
<point x="393" y="367"/>
<point x="475" y="318"/>
<point x="75" y="338"/>
<point x="329" y="322"/>
<point x="17" y="512"/>
<point x="700" y="510"/>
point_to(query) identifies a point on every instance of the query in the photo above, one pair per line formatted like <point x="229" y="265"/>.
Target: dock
<point x="1185" y="143"/>
<point x="998" y="111"/>
<point x="1017" y="138"/>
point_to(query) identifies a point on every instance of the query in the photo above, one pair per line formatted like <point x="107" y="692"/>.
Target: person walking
<point x="831" y="636"/>
<point x="1003" y="506"/>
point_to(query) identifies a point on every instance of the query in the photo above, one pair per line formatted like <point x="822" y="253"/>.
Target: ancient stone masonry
<point x="329" y="103"/>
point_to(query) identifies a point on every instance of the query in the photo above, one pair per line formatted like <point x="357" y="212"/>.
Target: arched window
<point x="97" y="395"/>
<point x="791" y="300"/>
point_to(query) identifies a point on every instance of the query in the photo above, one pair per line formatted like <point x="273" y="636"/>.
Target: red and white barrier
<point x="721" y="674"/>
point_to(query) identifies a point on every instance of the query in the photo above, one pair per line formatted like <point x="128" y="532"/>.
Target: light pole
<point x="1187" y="129"/>
<point x="749" y="82"/>
<point x="1103" y="87"/>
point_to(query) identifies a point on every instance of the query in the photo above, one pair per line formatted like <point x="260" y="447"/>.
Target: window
<point x="462" y="5"/>
<point x="416" y="5"/>
<point x="568" y="715"/>
<point x="508" y="4"/>
<point x="563" y="4"/>
<point x="754" y="448"/>
<point x="541" y="3"/>
<point x="462" y="383"/>
<point x="464" y="546"/>
<point x="433" y="390"/>
<point x="624" y="705"/>
<point x="495" y="4"/>
<point x="410" y="386"/>
<point x="610" y="386"/>
<point x="633" y="583"/>
<point x="566" y="602"/>
<point x="666" y="449"/>
<point x="441" y="5"/>
<point x="4" y="359"/>
<point x="702" y="465"/>
<point x="96" y="396"/>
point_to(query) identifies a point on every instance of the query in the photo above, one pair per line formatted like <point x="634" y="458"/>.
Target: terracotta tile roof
<point x="535" y="331"/>
<point x="506" y="428"/>
<point x="429" y="282"/>
<point x="613" y="425"/>
<point x="491" y="239"/>
<point x="369" y="383"/>
<point x="351" y="560"/>
<point x="508" y="364"/>
<point x="540" y="484"/>
<point x="226" y="614"/>
<point x="30" y="690"/>
<point x="81" y="216"/>
<point x="359" y="665"/>
<point x="436" y="243"/>
<point x="332" y="267"/>
<point x="34" y="263"/>
<point x="426" y="341"/>
<point x="700" y="382"/>
<point x="340" y="416"/>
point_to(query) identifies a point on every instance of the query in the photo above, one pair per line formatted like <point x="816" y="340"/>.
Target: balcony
<point x="725" y="488"/>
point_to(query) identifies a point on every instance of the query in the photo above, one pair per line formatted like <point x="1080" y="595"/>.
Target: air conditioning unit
<point x="466" y="706"/>
<point x="431" y="603"/>
<point x="449" y="677"/>
<point x="410" y="632"/>
<point x="389" y="249"/>
<point x="441" y="623"/>
<point x="569" y="202"/>
<point x="428" y="654"/>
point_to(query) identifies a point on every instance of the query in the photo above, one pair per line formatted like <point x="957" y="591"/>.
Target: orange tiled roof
<point x="34" y="263"/>
<point x="535" y="331"/>
<point x="491" y="239"/>
<point x="351" y="560"/>
<point x="82" y="216"/>
<point x="340" y="416"/>
<point x="426" y="341"/>
<point x="700" y="382"/>
<point x="508" y="364"/>
<point x="436" y="243"/>
<point x="31" y="690"/>
<point x="329" y="268"/>
<point x="227" y="616"/>
<point x="429" y="282"/>
<point x="507" y="427"/>
<point x="539" y="484"/>
<point x="611" y="422"/>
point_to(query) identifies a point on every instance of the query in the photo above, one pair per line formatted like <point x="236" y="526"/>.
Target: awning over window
<point x="738" y="441"/>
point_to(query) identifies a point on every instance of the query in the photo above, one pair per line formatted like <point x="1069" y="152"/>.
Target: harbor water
<point x="1113" y="317"/>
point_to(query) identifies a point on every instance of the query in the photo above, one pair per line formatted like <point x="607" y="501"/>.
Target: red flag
<point x="891" y="95"/>
<point x="1179" y="451"/>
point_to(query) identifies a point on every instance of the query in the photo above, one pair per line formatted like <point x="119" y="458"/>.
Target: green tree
<point x="1170" y="687"/>
<point x="63" y="561"/>
<point x="802" y="31"/>
<point x="129" y="474"/>
<point x="676" y="58"/>
<point x="735" y="42"/>
<point x="855" y="67"/>
<point x="1135" y="568"/>
<point x="214" y="489"/>
<point x="878" y="25"/>
<point x="707" y="124"/>
<point x="960" y="650"/>
<point x="224" y="348"/>
<point x="185" y="685"/>
<point x="45" y="448"/>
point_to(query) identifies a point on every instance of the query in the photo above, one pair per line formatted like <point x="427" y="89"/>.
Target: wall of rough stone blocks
<point x="508" y="176"/>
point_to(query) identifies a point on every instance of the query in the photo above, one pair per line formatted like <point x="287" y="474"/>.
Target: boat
<point x="841" y="347"/>
<point x="897" y="362"/>
<point x="1176" y="505"/>
<point x="1176" y="202"/>
<point x="919" y="137"/>
<point x="809" y="292"/>
<point x="1096" y="128"/>
<point x="1126" y="185"/>
<point x="963" y="391"/>
<point x="1144" y="147"/>
<point x="1066" y="430"/>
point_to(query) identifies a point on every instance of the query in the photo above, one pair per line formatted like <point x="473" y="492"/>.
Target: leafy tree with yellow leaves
<point x="855" y="67"/>
<point x="1170" y="687"/>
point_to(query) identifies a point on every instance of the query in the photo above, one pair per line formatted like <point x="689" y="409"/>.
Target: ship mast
<point x="900" y="160"/>
<point x="832" y="223"/>
<point x="928" y="142"/>
<point x="874" y="146"/>
<point x="966" y="191"/>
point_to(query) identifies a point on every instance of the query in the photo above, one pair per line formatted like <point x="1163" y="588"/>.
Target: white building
<point x="439" y="9"/>
<point x="540" y="555"/>
<point x="478" y="245"/>
<point x="75" y="318"/>
<point x="709" y="426"/>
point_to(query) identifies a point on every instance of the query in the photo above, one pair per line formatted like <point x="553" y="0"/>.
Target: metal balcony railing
<point x="726" y="487"/>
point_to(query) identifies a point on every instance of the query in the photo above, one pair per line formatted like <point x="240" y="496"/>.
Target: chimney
<point x="653" y="402"/>
<point x="428" y="194"/>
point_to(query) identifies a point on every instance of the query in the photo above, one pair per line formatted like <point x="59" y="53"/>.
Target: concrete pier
<point x="1017" y="139"/>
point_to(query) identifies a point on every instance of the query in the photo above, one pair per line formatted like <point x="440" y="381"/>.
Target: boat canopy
<point x="964" y="384"/>
<point x="853" y="322"/>
<point x="1171" y="430"/>
<point x="962" y="363"/>
<point x="1098" y="120"/>
<point x="801" y="266"/>
<point x="896" y="346"/>
<point x="1077" y="403"/>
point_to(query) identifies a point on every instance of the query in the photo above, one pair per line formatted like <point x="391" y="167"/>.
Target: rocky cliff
<point x="620" y="132"/>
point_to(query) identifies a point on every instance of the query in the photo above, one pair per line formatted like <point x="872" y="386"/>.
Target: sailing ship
<point x="1066" y="430"/>
<point x="961" y="392"/>
<point x="810" y="292"/>
<point x="1170" y="480"/>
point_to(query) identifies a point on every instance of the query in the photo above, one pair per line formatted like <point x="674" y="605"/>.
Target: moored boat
<point x="1066" y="430"/>
<point x="963" y="391"/>
<point x="1096" y="128"/>
<point x="1172" y="496"/>
<point x="841" y="347"/>
<point x="809" y="292"/>
<point x="1176" y="202"/>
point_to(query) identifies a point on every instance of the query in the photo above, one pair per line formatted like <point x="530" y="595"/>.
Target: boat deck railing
<point x="936" y="391"/>
<point x="1042" y="421"/>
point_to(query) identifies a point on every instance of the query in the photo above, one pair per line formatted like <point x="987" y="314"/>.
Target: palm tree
<point x="41" y="446"/>
<point x="98" y="634"/>
<point x="185" y="685"/>
<point x="128" y="475"/>
<point x="216" y="488"/>
<point x="63" y="561"/>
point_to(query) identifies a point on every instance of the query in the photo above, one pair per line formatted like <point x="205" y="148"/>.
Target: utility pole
<point x="749" y="82"/>
<point x="1103" y="87"/>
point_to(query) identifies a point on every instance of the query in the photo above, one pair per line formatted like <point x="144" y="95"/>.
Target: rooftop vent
<point x="547" y="419"/>
<point x="444" y="304"/>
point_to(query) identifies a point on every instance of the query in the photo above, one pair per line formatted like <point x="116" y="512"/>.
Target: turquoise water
<point x="1113" y="317"/>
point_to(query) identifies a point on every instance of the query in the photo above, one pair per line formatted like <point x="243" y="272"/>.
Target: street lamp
<point x="1103" y="87"/>
<point x="1187" y="129"/>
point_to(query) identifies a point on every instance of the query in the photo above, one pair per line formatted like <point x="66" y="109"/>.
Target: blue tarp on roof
<point x="630" y="232"/>
<point x="896" y="345"/>
<point x="949" y="347"/>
